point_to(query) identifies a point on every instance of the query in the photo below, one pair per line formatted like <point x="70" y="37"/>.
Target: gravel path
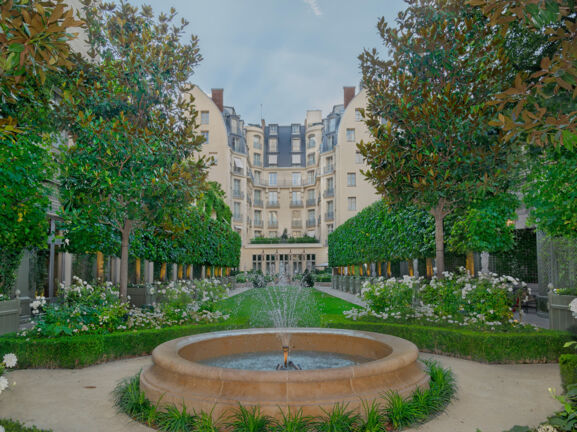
<point x="490" y="397"/>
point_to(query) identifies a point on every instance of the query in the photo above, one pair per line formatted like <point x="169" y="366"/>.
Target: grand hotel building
<point x="298" y="179"/>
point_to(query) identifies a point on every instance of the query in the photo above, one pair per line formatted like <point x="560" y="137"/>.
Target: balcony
<point x="297" y="223"/>
<point x="237" y="217"/>
<point x="296" y="204"/>
<point x="330" y="216"/>
<point x="329" y="193"/>
<point x="311" y="223"/>
<point x="258" y="203"/>
<point x="310" y="181"/>
<point x="237" y="194"/>
<point x="272" y="204"/>
<point x="258" y="223"/>
<point x="311" y="202"/>
<point x="329" y="169"/>
<point x="272" y="224"/>
<point x="237" y="170"/>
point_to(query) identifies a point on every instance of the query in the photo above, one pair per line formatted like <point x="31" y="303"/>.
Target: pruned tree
<point x="133" y="162"/>
<point x="429" y="108"/>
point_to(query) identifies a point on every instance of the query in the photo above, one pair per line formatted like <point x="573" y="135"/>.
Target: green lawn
<point x="309" y="307"/>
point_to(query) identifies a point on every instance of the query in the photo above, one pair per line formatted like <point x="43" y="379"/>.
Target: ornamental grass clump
<point x="84" y="308"/>
<point x="487" y="301"/>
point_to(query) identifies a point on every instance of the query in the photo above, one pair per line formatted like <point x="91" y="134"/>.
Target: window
<point x="330" y="206"/>
<point x="257" y="216"/>
<point x="311" y="159"/>
<point x="273" y="130"/>
<point x="272" y="179"/>
<point x="296" y="196"/>
<point x="358" y="114"/>
<point x="273" y="217"/>
<point x="331" y="141"/>
<point x="332" y="124"/>
<point x="272" y="159"/>
<point x="312" y="142"/>
<point x="257" y="234"/>
<point x="257" y="195"/>
<point x="256" y="142"/>
<point x="204" y="117"/>
<point x="236" y="186"/>
<point x="272" y="145"/>
<point x="233" y="125"/>
<point x="296" y="159"/>
<point x="330" y="228"/>
<point x="236" y="210"/>
<point x="273" y="197"/>
<point x="296" y="177"/>
<point x="311" y="215"/>
<point x="351" y="179"/>
<point x="236" y="144"/>
<point x="311" y="194"/>
<point x="257" y="177"/>
<point x="350" y="135"/>
<point x="330" y="183"/>
<point x="296" y="129"/>
<point x="358" y="158"/>
<point x="310" y="177"/>
<point x="296" y="234"/>
<point x="352" y="203"/>
<point x="205" y="136"/>
<point x="296" y="145"/>
<point x="257" y="159"/>
<point x="272" y="234"/>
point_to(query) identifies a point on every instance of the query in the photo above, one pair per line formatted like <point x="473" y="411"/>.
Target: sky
<point x="281" y="57"/>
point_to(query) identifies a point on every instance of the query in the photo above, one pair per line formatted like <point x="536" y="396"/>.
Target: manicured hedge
<point x="85" y="350"/>
<point x="15" y="426"/>
<point x="543" y="346"/>
<point x="568" y="367"/>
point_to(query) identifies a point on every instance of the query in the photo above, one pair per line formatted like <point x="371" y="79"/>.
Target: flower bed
<point x="83" y="308"/>
<point x="457" y="300"/>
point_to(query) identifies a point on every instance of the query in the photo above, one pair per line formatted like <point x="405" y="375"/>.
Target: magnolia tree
<point x="429" y="109"/>
<point x="133" y="162"/>
<point x="34" y="40"/>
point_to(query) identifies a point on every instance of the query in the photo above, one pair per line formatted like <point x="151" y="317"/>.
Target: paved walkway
<point x="490" y="397"/>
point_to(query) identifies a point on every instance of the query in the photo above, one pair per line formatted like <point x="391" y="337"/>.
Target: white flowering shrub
<point x="84" y="308"/>
<point x="457" y="299"/>
<point x="9" y="361"/>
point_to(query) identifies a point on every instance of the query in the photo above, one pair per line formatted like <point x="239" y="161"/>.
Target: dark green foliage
<point x="568" y="369"/>
<point x="543" y="346"/>
<point x="173" y="419"/>
<point x="249" y="420"/>
<point x="339" y="419"/>
<point x="372" y="419"/>
<point x="293" y="422"/>
<point x="307" y="279"/>
<point x="400" y="412"/>
<point x="80" y="351"/>
<point x="130" y="400"/>
<point x="15" y="426"/>
<point x="566" y="419"/>
<point x="382" y="233"/>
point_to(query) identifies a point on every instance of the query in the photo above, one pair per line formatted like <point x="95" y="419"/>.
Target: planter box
<point x="140" y="295"/>
<point x="560" y="317"/>
<point x="9" y="316"/>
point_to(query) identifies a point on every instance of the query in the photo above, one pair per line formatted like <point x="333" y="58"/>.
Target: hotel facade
<point x="288" y="186"/>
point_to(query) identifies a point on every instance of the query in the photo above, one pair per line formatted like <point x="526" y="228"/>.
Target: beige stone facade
<point x="300" y="180"/>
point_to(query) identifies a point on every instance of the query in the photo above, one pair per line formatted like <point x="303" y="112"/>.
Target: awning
<point x="238" y="163"/>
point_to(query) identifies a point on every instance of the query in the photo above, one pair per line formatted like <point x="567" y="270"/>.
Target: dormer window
<point x="296" y="129"/>
<point x="273" y="130"/>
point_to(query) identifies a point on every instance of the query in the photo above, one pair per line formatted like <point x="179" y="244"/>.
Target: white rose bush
<point x="9" y="361"/>
<point x="85" y="308"/>
<point x="485" y="302"/>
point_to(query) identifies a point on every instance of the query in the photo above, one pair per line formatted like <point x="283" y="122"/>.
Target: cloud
<point x="314" y="4"/>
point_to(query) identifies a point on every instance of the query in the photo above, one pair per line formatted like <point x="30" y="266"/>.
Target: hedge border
<point x="568" y="369"/>
<point x="543" y="346"/>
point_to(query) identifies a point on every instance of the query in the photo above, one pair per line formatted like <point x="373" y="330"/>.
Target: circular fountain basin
<point x="182" y="373"/>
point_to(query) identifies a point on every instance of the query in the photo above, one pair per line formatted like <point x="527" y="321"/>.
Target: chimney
<point x="349" y="94"/>
<point x="217" y="98"/>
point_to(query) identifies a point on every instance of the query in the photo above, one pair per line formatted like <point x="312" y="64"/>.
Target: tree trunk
<point x="439" y="214"/>
<point x="124" y="260"/>
<point x="470" y="263"/>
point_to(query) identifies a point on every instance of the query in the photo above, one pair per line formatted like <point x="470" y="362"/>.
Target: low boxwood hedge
<point x="85" y="350"/>
<point x="542" y="346"/>
<point x="568" y="368"/>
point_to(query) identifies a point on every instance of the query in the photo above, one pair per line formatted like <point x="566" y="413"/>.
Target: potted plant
<point x="560" y="315"/>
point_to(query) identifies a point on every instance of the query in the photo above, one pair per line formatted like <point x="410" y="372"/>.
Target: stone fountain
<point x="218" y="371"/>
